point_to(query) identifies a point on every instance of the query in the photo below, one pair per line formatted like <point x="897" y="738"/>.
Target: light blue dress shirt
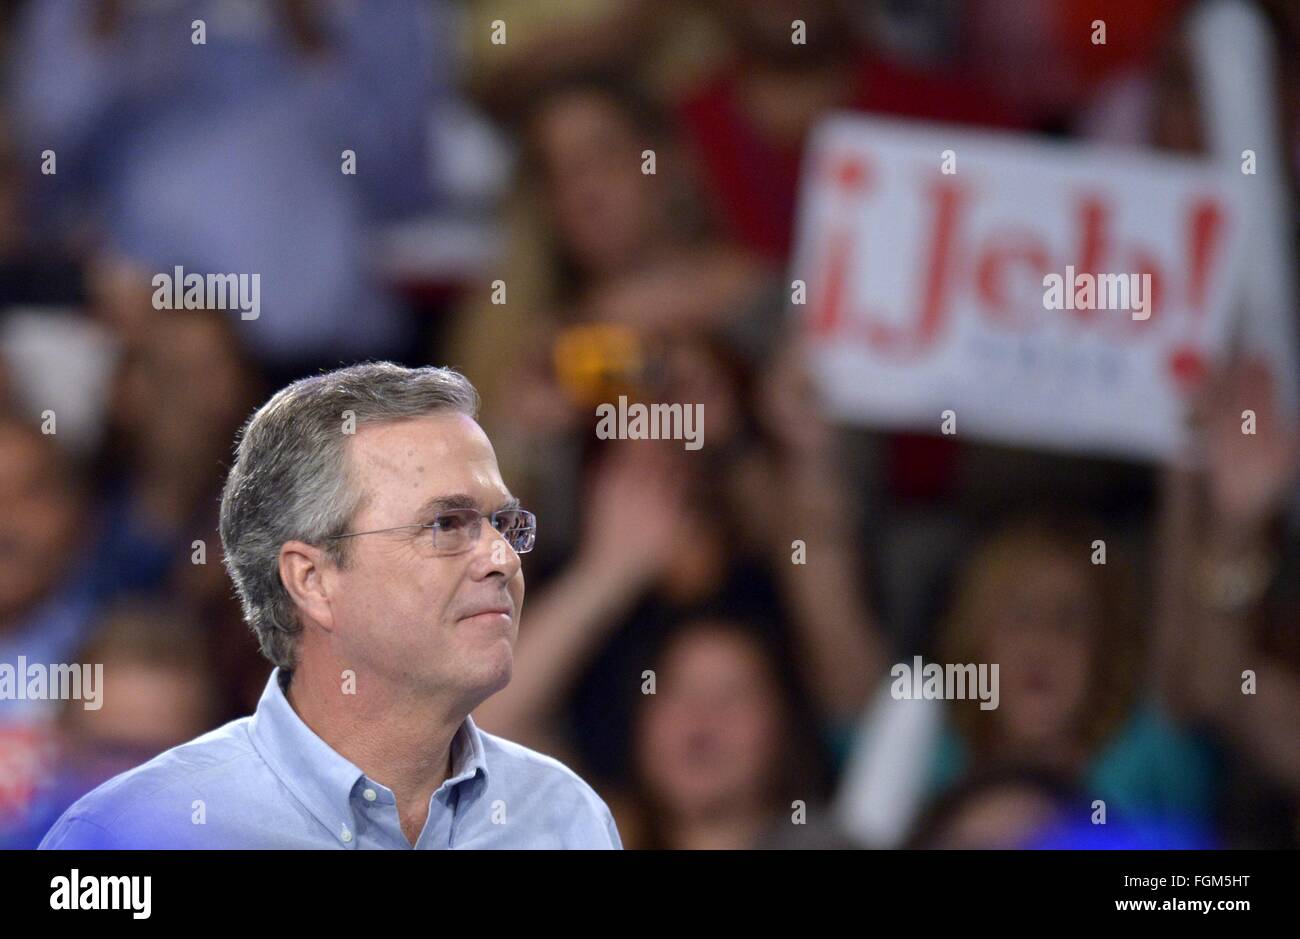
<point x="267" y="781"/>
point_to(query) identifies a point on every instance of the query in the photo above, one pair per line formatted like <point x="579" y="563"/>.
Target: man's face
<point x="440" y="624"/>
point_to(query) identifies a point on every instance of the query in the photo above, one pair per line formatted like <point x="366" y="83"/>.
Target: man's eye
<point x="449" y="523"/>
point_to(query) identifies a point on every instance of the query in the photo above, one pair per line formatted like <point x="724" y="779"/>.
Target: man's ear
<point x="304" y="571"/>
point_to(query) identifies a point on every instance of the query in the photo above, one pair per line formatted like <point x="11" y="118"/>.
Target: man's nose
<point x="493" y="553"/>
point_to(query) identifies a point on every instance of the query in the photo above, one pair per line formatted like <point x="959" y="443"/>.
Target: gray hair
<point x="291" y="479"/>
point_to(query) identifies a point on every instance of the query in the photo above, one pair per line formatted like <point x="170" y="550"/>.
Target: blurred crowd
<point x="500" y="221"/>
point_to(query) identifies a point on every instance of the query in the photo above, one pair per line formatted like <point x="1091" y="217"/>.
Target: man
<point x="375" y="550"/>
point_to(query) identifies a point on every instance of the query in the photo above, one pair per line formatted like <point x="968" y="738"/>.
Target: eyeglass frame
<point x="478" y="521"/>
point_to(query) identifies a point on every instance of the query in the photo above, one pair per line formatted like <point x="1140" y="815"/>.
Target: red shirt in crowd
<point x="753" y="183"/>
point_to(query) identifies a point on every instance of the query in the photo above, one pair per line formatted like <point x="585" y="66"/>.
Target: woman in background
<point x="725" y="754"/>
<point x="1063" y="631"/>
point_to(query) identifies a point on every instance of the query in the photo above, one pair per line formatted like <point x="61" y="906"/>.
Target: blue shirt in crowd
<point x="267" y="781"/>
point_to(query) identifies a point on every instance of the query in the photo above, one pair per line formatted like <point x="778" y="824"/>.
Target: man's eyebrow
<point x="459" y="500"/>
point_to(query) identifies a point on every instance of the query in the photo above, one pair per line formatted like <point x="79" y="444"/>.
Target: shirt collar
<point x="321" y="778"/>
<point x="468" y="758"/>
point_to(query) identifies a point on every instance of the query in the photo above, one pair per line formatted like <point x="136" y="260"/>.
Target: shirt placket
<point x="376" y="811"/>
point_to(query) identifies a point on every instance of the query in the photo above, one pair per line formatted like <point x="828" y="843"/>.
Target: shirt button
<point x="370" y="795"/>
<point x="346" y="836"/>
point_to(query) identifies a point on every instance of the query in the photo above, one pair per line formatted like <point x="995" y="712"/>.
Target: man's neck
<point x="396" y="739"/>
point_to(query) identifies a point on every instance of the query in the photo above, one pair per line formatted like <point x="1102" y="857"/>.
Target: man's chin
<point x="494" y="668"/>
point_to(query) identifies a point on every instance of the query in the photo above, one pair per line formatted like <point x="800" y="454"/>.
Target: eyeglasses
<point x="455" y="531"/>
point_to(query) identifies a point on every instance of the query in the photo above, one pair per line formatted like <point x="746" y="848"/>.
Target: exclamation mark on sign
<point x="1187" y="362"/>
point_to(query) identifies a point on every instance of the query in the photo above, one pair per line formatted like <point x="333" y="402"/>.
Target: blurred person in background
<point x="1012" y="806"/>
<point x="227" y="156"/>
<point x="1001" y="808"/>
<point x="1229" y="649"/>
<point x="748" y="121"/>
<point x="238" y="668"/>
<point x="183" y="386"/>
<point x="747" y="124"/>
<point x="158" y="691"/>
<point x="629" y="245"/>
<point x="1228" y="508"/>
<point x="1156" y="98"/>
<point x="1005" y="40"/>
<point x="724" y="749"/>
<point x="617" y="246"/>
<point x="628" y="252"/>
<point x="757" y="522"/>
<point x="1073" y="689"/>
<point x="661" y="44"/>
<point x="47" y="604"/>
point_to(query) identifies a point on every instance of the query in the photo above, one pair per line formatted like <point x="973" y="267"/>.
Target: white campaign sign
<point x="926" y="289"/>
